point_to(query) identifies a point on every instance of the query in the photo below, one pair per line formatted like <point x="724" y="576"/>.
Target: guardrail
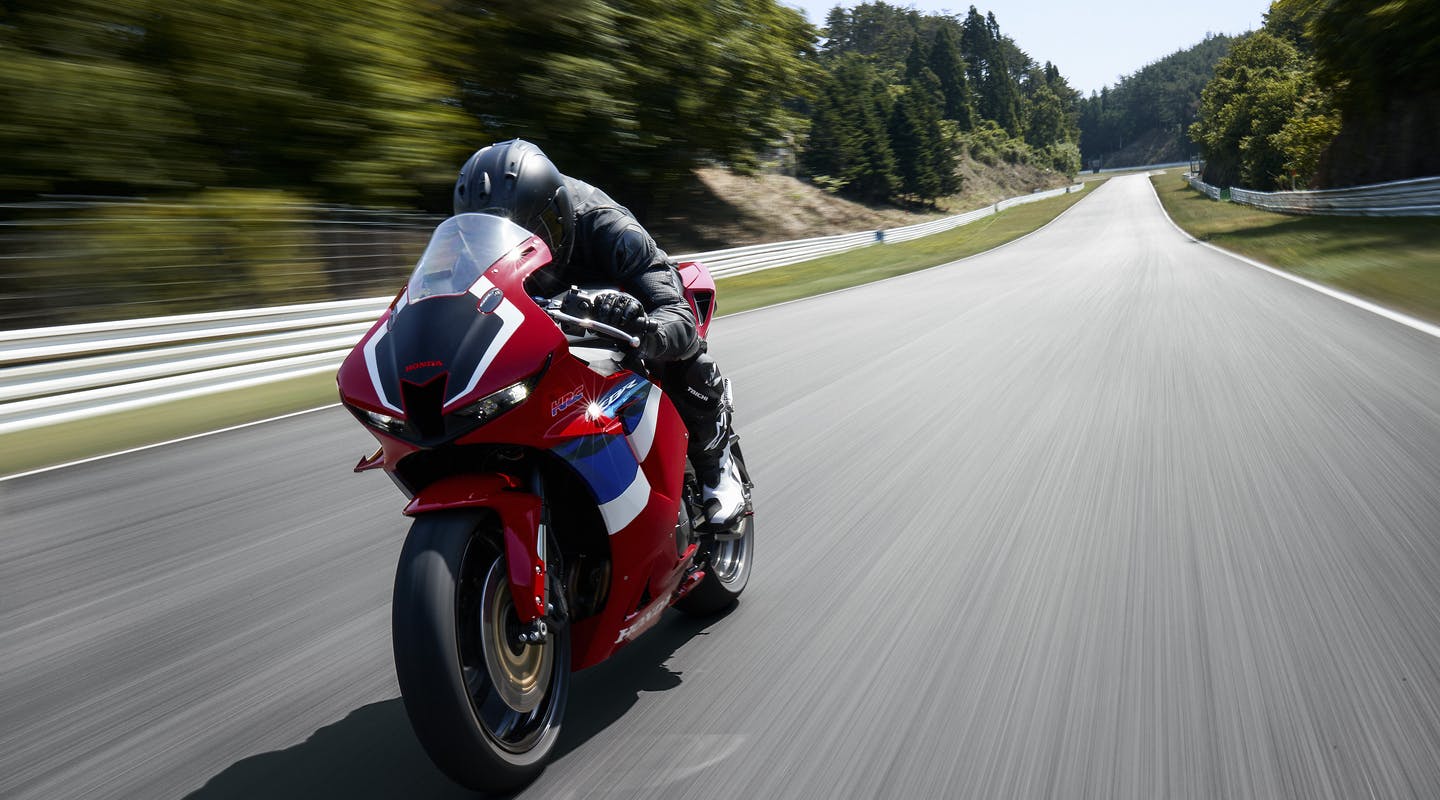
<point x="1213" y="192"/>
<point x="1418" y="197"/>
<point x="62" y="373"/>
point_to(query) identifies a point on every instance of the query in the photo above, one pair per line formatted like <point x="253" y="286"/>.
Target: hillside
<point x="1142" y="119"/>
<point x="722" y="209"/>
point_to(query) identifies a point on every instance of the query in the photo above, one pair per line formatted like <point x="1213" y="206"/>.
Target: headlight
<point x="493" y="405"/>
<point x="384" y="421"/>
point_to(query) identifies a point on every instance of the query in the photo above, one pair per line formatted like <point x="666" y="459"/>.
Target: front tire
<point x="486" y="709"/>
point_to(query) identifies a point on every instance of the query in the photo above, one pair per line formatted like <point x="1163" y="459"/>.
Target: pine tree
<point x="831" y="145"/>
<point x="862" y="102"/>
<point x="975" y="46"/>
<point x="999" y="93"/>
<point x="947" y="65"/>
<point x="915" y="59"/>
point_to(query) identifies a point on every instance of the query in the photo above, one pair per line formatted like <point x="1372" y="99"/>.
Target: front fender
<point x="520" y="525"/>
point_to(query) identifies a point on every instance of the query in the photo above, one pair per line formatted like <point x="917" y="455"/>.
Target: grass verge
<point x="880" y="261"/>
<point x="1390" y="260"/>
<point x="71" y="441"/>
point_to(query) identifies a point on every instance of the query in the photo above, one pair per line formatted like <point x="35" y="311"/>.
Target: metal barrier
<point x="1213" y="192"/>
<point x="56" y="374"/>
<point x="1418" y="197"/>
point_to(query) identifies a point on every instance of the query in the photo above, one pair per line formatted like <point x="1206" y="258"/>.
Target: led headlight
<point x="493" y="405"/>
<point x="384" y="421"/>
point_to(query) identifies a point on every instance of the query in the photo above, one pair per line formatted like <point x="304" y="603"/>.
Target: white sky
<point x="1092" y="44"/>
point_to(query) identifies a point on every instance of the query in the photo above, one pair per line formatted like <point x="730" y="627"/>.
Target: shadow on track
<point x="373" y="753"/>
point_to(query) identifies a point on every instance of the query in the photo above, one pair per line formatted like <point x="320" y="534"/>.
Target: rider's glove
<point x="620" y="310"/>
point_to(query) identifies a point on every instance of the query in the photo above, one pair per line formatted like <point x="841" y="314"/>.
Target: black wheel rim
<point x="515" y="690"/>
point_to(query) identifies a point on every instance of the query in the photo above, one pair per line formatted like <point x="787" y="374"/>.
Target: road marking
<point x="1358" y="302"/>
<point x="162" y="444"/>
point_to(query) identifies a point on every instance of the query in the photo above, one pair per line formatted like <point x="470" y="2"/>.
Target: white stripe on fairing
<point x="511" y="318"/>
<point x="644" y="434"/>
<point x="624" y="509"/>
<point x="370" y="366"/>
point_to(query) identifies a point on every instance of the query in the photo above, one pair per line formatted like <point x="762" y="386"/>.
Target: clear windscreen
<point x="460" y="251"/>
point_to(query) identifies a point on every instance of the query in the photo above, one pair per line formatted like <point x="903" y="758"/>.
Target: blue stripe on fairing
<point x="606" y="463"/>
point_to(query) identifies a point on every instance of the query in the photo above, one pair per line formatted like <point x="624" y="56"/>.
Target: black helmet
<point x="514" y="179"/>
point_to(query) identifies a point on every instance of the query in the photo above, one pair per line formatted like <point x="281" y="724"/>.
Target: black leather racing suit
<point x="611" y="248"/>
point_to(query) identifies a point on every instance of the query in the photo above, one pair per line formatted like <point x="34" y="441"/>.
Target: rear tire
<point x="486" y="709"/>
<point x="727" y="571"/>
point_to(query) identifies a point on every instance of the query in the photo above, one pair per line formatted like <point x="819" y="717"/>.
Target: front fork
<point x="536" y="591"/>
<point x="523" y="524"/>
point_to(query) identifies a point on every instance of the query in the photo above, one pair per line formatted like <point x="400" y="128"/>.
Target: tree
<point x="637" y="92"/>
<point x="850" y="137"/>
<point x="924" y="150"/>
<point x="1253" y="95"/>
<point x="949" y="69"/>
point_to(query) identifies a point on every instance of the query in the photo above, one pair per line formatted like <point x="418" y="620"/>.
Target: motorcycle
<point x="555" y="514"/>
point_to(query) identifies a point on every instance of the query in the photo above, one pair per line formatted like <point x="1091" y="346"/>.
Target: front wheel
<point x="485" y="707"/>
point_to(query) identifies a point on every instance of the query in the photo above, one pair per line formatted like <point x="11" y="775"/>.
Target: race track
<point x="1102" y="513"/>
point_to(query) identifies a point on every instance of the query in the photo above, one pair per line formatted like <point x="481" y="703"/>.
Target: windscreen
<point x="462" y="248"/>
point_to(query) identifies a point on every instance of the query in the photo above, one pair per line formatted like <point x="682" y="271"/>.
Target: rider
<point x="595" y="240"/>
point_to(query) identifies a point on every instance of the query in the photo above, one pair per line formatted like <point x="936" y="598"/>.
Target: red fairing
<point x="643" y="551"/>
<point x="519" y="513"/>
<point x="700" y="291"/>
<point x="353" y="380"/>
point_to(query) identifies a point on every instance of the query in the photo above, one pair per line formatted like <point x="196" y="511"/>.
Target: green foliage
<point x="378" y="101"/>
<point x="1291" y="20"/>
<point x="990" y="144"/>
<point x="925" y="150"/>
<point x="948" y="67"/>
<point x="331" y="99"/>
<point x="1158" y="102"/>
<point x="1370" y="51"/>
<point x="1330" y="92"/>
<point x="638" y="92"/>
<point x="849" y="136"/>
<point x="1381" y="61"/>
<point x="1063" y="157"/>
<point x="221" y="248"/>
<point x="949" y="79"/>
<point x="1255" y="91"/>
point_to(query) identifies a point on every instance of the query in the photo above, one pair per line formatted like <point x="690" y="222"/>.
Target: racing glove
<point x="619" y="310"/>
<point x="623" y="311"/>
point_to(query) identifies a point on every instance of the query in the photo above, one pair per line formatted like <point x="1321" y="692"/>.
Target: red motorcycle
<point x="555" y="513"/>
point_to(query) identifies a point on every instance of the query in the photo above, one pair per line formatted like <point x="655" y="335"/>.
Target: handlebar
<point x="575" y="306"/>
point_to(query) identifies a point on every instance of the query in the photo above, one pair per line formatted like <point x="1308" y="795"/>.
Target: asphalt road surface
<point x="1102" y="513"/>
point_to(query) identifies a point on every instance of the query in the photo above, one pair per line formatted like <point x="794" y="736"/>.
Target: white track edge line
<point x="164" y="443"/>
<point x="1359" y="302"/>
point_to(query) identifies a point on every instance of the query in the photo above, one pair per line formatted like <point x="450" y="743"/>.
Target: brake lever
<point x="591" y="325"/>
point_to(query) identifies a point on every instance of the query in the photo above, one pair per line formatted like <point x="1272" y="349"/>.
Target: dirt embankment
<point x="721" y="209"/>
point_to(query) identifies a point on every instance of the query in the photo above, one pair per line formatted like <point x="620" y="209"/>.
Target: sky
<point x="1093" y="43"/>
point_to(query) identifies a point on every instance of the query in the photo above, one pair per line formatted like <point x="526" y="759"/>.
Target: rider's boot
<point x="722" y="489"/>
<point x="705" y="402"/>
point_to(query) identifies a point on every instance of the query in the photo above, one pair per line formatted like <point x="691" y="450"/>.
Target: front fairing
<point x="460" y="331"/>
